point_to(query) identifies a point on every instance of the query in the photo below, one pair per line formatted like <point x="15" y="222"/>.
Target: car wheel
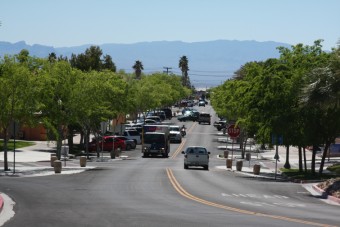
<point x="185" y="166"/>
<point x="128" y="147"/>
<point x="206" y="167"/>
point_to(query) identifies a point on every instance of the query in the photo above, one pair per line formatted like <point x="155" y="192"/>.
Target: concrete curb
<point x="324" y="195"/>
<point x="1" y="203"/>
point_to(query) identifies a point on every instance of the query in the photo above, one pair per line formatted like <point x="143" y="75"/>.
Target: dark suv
<point x="168" y="113"/>
<point x="204" y="118"/>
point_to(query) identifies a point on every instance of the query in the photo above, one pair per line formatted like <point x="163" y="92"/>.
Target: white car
<point x="175" y="133"/>
<point x="196" y="156"/>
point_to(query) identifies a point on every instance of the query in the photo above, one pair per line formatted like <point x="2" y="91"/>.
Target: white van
<point x="196" y="156"/>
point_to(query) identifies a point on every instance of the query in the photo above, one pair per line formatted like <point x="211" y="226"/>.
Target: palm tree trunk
<point x="300" y="159"/>
<point x="5" y="131"/>
<point x="287" y="165"/>
<point x="313" y="159"/>
<point x="304" y="159"/>
<point x="324" y="156"/>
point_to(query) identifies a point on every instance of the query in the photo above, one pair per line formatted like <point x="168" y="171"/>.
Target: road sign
<point x="233" y="131"/>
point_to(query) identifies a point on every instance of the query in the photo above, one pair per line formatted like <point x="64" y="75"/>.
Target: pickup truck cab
<point x="196" y="156"/>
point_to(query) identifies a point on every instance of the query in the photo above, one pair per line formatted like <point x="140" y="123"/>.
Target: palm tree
<point x="183" y="65"/>
<point x="138" y="67"/>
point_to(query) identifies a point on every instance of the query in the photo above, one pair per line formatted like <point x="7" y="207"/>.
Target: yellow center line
<point x="179" y="149"/>
<point x="184" y="193"/>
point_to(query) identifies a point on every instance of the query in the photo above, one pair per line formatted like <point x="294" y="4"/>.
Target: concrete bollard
<point x="82" y="161"/>
<point x="248" y="156"/>
<point x="53" y="158"/>
<point x="118" y="152"/>
<point x="226" y="154"/>
<point x="229" y="163"/>
<point x="113" y="154"/>
<point x="57" y="166"/>
<point x="239" y="165"/>
<point x="256" y="169"/>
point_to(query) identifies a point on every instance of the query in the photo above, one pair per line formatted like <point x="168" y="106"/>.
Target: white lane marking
<point x="255" y="196"/>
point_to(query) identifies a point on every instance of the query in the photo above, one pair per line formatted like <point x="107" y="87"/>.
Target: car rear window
<point x="197" y="150"/>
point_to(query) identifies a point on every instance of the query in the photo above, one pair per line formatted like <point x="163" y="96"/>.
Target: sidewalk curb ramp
<point x="324" y="195"/>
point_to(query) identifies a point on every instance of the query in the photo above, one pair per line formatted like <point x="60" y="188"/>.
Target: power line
<point x="167" y="70"/>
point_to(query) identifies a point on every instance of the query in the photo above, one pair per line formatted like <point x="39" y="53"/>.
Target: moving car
<point x="196" y="156"/>
<point x="175" y="133"/>
<point x="189" y="116"/>
<point x="204" y="118"/>
<point x="201" y="103"/>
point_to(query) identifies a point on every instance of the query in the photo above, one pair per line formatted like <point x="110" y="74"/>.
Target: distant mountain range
<point x="210" y="62"/>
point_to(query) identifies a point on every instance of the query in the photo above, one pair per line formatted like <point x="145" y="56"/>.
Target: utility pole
<point x="167" y="70"/>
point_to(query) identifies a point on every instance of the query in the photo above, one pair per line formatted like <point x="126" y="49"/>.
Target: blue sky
<point x="64" y="23"/>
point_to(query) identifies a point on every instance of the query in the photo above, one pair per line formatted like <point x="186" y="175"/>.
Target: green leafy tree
<point x="97" y="97"/>
<point x="108" y="63"/>
<point x="23" y="56"/>
<point x="91" y="60"/>
<point x="57" y="85"/>
<point x="17" y="103"/>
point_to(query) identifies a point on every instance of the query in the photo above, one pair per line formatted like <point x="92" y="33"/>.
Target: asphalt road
<point x="159" y="192"/>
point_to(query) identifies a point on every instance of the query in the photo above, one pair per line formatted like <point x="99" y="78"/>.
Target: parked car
<point x="189" y="116"/>
<point x="196" y="156"/>
<point x="137" y="126"/>
<point x="168" y="113"/>
<point x="157" y="113"/>
<point x="150" y="122"/>
<point x="155" y="118"/>
<point x="204" y="118"/>
<point x="134" y="135"/>
<point x="105" y="143"/>
<point x="129" y="143"/>
<point x="175" y="133"/>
